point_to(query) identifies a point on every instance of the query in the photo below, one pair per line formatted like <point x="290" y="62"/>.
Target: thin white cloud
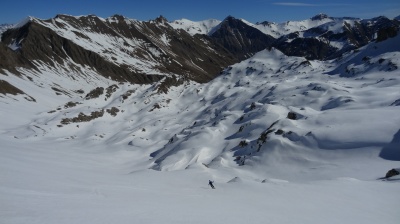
<point x="293" y="4"/>
<point x="307" y="4"/>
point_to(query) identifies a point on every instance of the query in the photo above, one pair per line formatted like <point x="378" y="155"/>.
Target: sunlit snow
<point x="151" y="162"/>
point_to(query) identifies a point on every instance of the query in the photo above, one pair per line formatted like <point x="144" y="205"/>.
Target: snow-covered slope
<point x="321" y="164"/>
<point x="320" y="37"/>
<point x="73" y="183"/>
<point x="270" y="28"/>
<point x="117" y="47"/>
<point x="330" y="30"/>
<point x="192" y="27"/>
<point x="285" y="139"/>
<point x="280" y="29"/>
<point x="274" y="29"/>
<point x="241" y="117"/>
<point x="112" y="44"/>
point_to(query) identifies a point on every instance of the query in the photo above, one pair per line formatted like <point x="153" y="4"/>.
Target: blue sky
<point x="12" y="11"/>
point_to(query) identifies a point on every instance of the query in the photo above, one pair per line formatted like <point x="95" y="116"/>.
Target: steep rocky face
<point x="320" y="16"/>
<point x="310" y="48"/>
<point x="9" y="60"/>
<point x="386" y="33"/>
<point x="193" y="57"/>
<point x="38" y="43"/>
<point x="328" y="41"/>
<point x="117" y="48"/>
<point x="196" y="57"/>
<point x="364" y="31"/>
<point x="241" y="39"/>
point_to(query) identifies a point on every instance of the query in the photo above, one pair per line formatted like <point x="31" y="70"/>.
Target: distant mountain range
<point x="143" y="52"/>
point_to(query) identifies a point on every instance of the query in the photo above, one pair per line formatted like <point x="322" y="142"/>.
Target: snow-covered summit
<point x="320" y="16"/>
<point x="280" y="29"/>
<point x="200" y="27"/>
<point x="23" y="22"/>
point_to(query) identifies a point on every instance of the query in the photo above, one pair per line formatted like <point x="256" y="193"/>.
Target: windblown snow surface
<point x="151" y="162"/>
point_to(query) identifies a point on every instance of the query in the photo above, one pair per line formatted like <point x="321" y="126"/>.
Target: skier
<point x="211" y="184"/>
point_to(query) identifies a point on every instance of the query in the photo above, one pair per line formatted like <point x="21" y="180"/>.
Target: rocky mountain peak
<point x="265" y="23"/>
<point x="60" y="16"/>
<point x="161" y="19"/>
<point x="320" y="16"/>
<point x="380" y="22"/>
<point x="232" y="22"/>
<point x="229" y="18"/>
<point x="240" y="38"/>
<point x="117" y="17"/>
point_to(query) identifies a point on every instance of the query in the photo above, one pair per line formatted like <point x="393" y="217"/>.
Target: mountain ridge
<point x="235" y="98"/>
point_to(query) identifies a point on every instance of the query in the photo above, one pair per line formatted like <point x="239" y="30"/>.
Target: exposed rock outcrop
<point x="392" y="172"/>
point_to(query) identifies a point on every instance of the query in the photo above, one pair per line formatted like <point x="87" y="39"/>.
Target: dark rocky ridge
<point x="43" y="44"/>
<point x="314" y="44"/>
<point x="310" y="48"/>
<point x="241" y="39"/>
<point x="194" y="58"/>
<point x="316" y="41"/>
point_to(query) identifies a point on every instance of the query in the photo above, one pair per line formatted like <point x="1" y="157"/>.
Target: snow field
<point x="67" y="183"/>
<point x="322" y="168"/>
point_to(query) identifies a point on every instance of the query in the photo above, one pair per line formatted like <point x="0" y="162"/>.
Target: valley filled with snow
<point x="285" y="140"/>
